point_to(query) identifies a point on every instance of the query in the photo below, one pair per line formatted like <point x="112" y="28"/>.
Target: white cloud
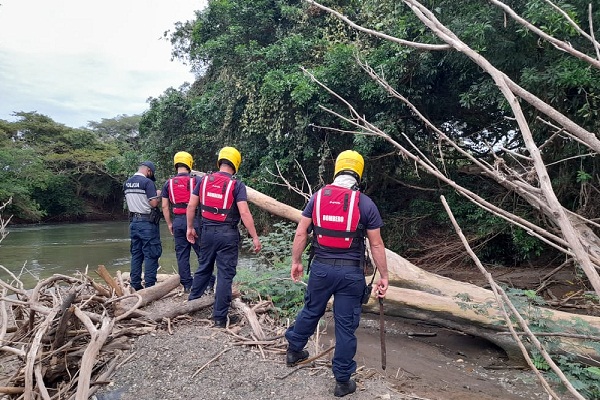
<point x="81" y="60"/>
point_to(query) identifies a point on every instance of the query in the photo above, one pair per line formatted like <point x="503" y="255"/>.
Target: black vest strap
<point x="333" y="233"/>
<point x="215" y="210"/>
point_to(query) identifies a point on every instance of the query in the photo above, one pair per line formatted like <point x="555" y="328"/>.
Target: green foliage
<point x="59" y="199"/>
<point x="277" y="244"/>
<point x="22" y="173"/>
<point x="539" y="361"/>
<point x="271" y="277"/>
<point x="525" y="244"/>
<point x="583" y="177"/>
<point x="122" y="130"/>
<point x="54" y="172"/>
<point x="273" y="284"/>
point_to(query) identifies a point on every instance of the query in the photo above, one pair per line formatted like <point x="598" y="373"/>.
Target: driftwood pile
<point x="65" y="337"/>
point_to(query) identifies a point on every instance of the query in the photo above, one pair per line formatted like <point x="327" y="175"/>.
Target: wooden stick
<point x="39" y="378"/>
<point x="12" y="390"/>
<point x="98" y="337"/>
<point x="66" y="310"/>
<point x="211" y="360"/>
<point x="104" y="274"/>
<point x="33" y="352"/>
<point x="250" y="316"/>
<point x="313" y="358"/>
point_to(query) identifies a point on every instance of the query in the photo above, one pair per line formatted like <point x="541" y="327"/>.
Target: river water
<point x="36" y="252"/>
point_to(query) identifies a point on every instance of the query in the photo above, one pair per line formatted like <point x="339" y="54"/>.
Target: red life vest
<point x="336" y="217"/>
<point x="180" y="190"/>
<point x="216" y="196"/>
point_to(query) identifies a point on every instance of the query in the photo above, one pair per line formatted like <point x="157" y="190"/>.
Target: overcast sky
<point x="82" y="60"/>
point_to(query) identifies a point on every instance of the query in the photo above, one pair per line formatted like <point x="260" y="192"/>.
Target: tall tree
<point x="55" y="172"/>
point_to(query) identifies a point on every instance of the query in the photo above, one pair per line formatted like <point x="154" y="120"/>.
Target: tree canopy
<point x="56" y="173"/>
<point x="255" y="63"/>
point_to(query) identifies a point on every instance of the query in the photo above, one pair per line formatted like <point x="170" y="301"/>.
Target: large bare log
<point x="273" y="206"/>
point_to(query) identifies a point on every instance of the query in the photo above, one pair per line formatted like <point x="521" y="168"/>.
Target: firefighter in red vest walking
<point x="176" y="194"/>
<point x="223" y="203"/>
<point x="341" y="218"/>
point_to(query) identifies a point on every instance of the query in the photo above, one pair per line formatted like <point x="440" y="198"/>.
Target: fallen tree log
<point x="147" y="295"/>
<point x="185" y="308"/>
<point x="417" y="294"/>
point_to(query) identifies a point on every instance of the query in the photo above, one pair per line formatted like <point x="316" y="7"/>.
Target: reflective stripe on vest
<point x="180" y="192"/>
<point x="336" y="217"/>
<point x="216" y="196"/>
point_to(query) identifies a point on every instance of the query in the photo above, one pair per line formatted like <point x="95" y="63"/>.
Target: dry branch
<point x="104" y="274"/>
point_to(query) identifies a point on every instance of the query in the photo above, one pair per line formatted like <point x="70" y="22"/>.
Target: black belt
<point x="223" y="227"/>
<point x="337" y="262"/>
<point x="139" y="216"/>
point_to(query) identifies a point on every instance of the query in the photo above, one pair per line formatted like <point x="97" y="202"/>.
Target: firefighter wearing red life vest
<point x="216" y="197"/>
<point x="336" y="218"/>
<point x="223" y="202"/>
<point x="176" y="195"/>
<point x="341" y="216"/>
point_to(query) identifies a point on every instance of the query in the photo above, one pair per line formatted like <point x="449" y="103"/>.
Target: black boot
<point x="344" y="388"/>
<point x="292" y="358"/>
<point x="222" y="323"/>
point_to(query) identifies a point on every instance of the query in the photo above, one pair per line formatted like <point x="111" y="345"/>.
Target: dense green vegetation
<point x="56" y="173"/>
<point x="251" y="93"/>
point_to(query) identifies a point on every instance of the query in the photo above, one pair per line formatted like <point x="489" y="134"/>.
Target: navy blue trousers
<point x="219" y="244"/>
<point x="183" y="249"/>
<point x="145" y="249"/>
<point x="346" y="285"/>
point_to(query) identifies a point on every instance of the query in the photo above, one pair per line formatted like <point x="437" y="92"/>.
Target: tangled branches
<point x="65" y="336"/>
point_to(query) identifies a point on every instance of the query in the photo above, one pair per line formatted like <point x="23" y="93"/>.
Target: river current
<point x="36" y="252"/>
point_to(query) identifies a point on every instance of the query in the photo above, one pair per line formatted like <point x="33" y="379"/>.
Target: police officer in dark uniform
<point x="176" y="194"/>
<point x="142" y="201"/>
<point x="223" y="202"/>
<point x="341" y="217"/>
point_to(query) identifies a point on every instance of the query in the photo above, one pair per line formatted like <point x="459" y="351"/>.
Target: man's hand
<point x="191" y="235"/>
<point x="297" y="272"/>
<point x="381" y="288"/>
<point x="257" y="244"/>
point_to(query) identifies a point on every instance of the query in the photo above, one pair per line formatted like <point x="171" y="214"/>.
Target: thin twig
<point x="210" y="361"/>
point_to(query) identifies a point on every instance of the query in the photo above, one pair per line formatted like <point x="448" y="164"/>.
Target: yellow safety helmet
<point x="349" y="160"/>
<point x="232" y="155"/>
<point x="185" y="158"/>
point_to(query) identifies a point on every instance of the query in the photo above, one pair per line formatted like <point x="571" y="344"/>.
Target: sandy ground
<point x="197" y="361"/>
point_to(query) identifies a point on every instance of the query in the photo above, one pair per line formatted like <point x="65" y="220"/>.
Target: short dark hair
<point x="182" y="165"/>
<point x="348" y="172"/>
<point x="226" y="162"/>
